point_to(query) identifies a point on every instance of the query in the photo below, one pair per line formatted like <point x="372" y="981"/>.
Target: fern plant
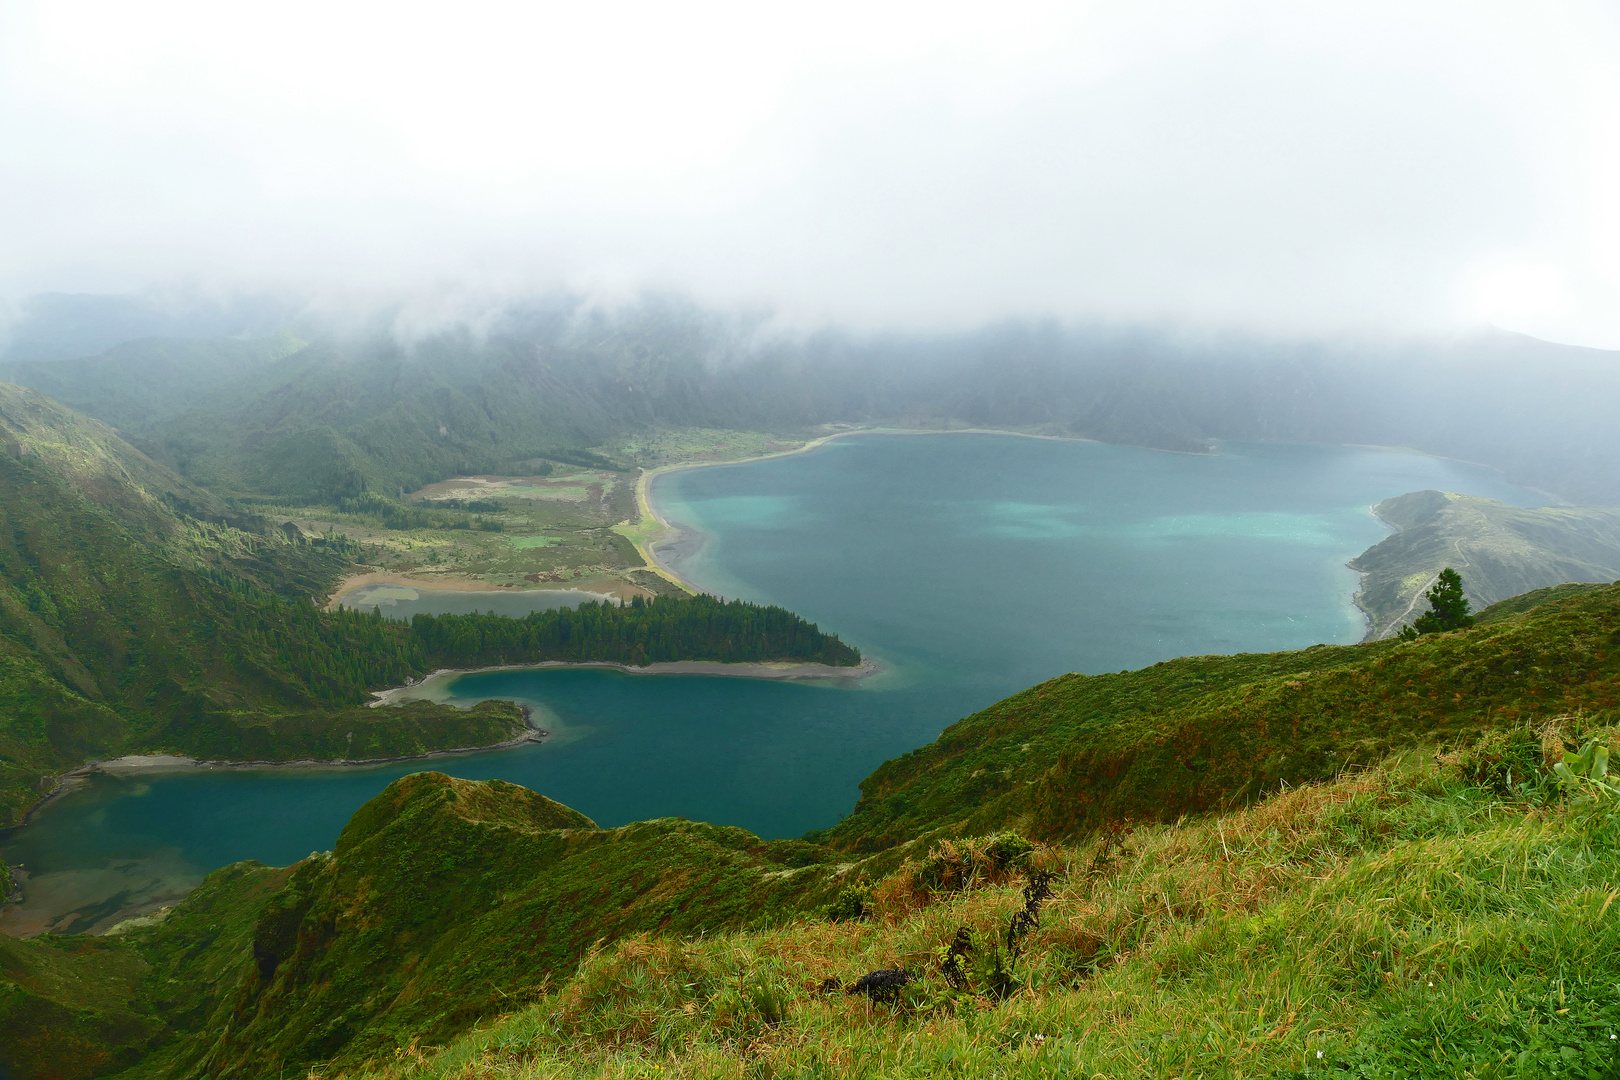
<point x="1584" y="777"/>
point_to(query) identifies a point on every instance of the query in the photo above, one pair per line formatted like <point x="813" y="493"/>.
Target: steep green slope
<point x="1500" y="550"/>
<point x="1190" y="734"/>
<point x="445" y="901"/>
<point x="128" y="622"/>
<point x="448" y="902"/>
<point x="75" y="1007"/>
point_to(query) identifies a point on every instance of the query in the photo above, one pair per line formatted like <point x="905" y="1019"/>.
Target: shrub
<point x="851" y="903"/>
<point x="1502" y="761"/>
<point x="956" y="864"/>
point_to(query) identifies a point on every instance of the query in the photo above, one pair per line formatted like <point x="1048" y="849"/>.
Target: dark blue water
<point x="971" y="566"/>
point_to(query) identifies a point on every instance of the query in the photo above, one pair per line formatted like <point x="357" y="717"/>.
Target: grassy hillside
<point x="1359" y="851"/>
<point x="131" y="620"/>
<point x="1188" y="735"/>
<point x="1398" y="923"/>
<point x="1500" y="550"/>
<point x="444" y="901"/>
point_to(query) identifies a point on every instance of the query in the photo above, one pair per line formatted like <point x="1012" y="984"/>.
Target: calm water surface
<point x="972" y="566"/>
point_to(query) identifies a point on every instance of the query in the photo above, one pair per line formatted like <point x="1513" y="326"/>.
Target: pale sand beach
<point x="783" y="669"/>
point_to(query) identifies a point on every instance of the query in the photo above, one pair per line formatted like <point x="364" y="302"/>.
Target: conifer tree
<point x="1448" y="608"/>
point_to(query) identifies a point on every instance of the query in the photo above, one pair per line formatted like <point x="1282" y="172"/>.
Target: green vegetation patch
<point x="1191" y="734"/>
<point x="139" y="613"/>
<point x="1446" y="911"/>
<point x="641" y="632"/>
<point x="669" y="447"/>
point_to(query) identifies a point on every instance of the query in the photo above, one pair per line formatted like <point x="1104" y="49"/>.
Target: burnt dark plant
<point x="951" y="966"/>
<point x="1036" y="892"/>
<point x="882" y="986"/>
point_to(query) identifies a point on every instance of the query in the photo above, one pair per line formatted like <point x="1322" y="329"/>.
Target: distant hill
<point x="140" y="384"/>
<point x="1499" y="550"/>
<point x="559" y="380"/>
<point x="63" y="326"/>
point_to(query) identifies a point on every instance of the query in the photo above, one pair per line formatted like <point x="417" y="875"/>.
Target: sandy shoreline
<point x="147" y="764"/>
<point x="782" y="669"/>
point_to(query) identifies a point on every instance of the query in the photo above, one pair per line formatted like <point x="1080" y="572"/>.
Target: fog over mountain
<point x="1293" y="169"/>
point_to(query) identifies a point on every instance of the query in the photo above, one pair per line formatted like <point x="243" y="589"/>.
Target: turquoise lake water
<point x="971" y="566"/>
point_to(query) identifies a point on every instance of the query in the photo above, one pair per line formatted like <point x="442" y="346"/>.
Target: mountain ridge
<point x="566" y="382"/>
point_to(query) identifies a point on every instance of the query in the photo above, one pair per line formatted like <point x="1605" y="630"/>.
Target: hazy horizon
<point x="1370" y="169"/>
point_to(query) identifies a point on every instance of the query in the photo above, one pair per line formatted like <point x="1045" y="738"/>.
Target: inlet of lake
<point x="970" y="566"/>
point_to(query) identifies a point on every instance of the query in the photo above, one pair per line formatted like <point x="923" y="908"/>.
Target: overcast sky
<point x="1299" y="165"/>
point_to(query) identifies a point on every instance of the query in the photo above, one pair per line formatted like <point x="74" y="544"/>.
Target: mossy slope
<point x="78" y="1007"/>
<point x="448" y="902"/>
<point x="1393" y="924"/>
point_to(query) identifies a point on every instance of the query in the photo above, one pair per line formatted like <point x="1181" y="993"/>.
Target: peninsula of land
<point x="1500" y="550"/>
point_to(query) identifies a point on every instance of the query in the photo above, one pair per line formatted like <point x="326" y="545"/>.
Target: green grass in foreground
<point x="1398" y="922"/>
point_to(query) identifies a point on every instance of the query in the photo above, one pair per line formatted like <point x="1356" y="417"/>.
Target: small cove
<point x="971" y="566"/>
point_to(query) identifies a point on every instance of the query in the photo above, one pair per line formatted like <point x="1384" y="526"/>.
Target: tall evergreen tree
<point x="1448" y="608"/>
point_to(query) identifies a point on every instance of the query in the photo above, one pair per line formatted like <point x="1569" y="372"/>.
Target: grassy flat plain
<point x="524" y="533"/>
<point x="573" y="527"/>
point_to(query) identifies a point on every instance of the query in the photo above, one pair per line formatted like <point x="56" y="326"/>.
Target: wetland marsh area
<point x="970" y="566"/>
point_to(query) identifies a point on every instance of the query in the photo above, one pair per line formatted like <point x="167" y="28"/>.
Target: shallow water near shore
<point x="971" y="566"/>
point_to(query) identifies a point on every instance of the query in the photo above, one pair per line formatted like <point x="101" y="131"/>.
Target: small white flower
<point x="1431" y="984"/>
<point x="1319" y="1055"/>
